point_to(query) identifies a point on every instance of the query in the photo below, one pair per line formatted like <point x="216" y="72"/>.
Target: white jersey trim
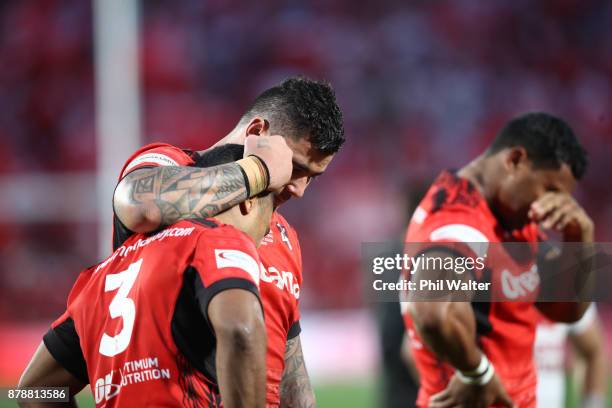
<point x="156" y="158"/>
<point x="419" y="215"/>
<point x="466" y="234"/>
<point x="233" y="258"/>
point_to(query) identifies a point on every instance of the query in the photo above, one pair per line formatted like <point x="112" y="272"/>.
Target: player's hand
<point x="459" y="394"/>
<point x="561" y="212"/>
<point x="277" y="156"/>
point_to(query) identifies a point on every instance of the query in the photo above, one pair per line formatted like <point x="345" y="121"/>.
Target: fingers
<point x="554" y="210"/>
<point x="439" y="396"/>
<point x="441" y="400"/>
<point x="442" y="403"/>
<point x="560" y="216"/>
<point x="548" y="203"/>
<point x="561" y="212"/>
<point x="504" y="400"/>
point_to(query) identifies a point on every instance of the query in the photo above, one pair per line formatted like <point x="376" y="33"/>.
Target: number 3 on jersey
<point x="121" y="306"/>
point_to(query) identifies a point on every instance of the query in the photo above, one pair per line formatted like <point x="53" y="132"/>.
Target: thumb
<point x="504" y="400"/>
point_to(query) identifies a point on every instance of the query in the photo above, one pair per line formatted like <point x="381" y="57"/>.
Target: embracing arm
<point x="149" y="198"/>
<point x="296" y="390"/>
<point x="44" y="371"/>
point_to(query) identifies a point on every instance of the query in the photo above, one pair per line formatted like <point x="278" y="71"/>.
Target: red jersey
<point x="139" y="319"/>
<point x="281" y="277"/>
<point x="454" y="211"/>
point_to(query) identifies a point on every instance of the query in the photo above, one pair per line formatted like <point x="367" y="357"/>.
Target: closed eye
<point x="312" y="178"/>
<point x="300" y="170"/>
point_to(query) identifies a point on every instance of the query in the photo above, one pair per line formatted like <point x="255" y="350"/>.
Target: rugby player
<point x="171" y="319"/>
<point x="480" y="354"/>
<point x="161" y="184"/>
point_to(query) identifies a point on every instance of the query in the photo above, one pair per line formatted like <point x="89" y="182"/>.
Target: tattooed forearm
<point x="296" y="390"/>
<point x="147" y="199"/>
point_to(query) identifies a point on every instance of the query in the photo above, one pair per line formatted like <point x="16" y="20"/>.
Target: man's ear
<point x="515" y="156"/>
<point x="257" y="126"/>
<point x="246" y="206"/>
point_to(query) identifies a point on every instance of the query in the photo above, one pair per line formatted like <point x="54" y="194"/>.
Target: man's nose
<point x="297" y="187"/>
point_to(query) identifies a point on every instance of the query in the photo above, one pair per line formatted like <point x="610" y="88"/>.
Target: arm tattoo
<point x="187" y="192"/>
<point x="295" y="389"/>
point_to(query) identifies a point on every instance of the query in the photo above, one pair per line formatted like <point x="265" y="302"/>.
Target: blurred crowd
<point x="423" y="85"/>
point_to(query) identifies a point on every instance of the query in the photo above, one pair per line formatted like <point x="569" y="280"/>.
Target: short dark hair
<point x="300" y="106"/>
<point x="218" y="155"/>
<point x="548" y="140"/>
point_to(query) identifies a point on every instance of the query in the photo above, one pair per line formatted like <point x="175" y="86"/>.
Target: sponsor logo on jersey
<point x="284" y="280"/>
<point x="105" y="389"/>
<point x="132" y="372"/>
<point x="521" y="285"/>
<point x="284" y="235"/>
<point x="123" y="251"/>
<point x="233" y="258"/>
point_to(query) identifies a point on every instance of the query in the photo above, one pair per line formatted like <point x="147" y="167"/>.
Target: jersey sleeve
<point x="460" y="232"/>
<point x="295" y="329"/>
<point x="154" y="155"/>
<point x="225" y="259"/>
<point x="62" y="339"/>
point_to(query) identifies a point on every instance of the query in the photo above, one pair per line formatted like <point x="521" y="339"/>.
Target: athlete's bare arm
<point x="44" y="371"/>
<point x="561" y="212"/>
<point x="589" y="345"/>
<point x="238" y="322"/>
<point x="449" y="330"/>
<point x="149" y="198"/>
<point x="448" y="327"/>
<point x="295" y="389"/>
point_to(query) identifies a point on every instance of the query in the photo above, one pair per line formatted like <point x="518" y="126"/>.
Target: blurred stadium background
<point x="424" y="85"/>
